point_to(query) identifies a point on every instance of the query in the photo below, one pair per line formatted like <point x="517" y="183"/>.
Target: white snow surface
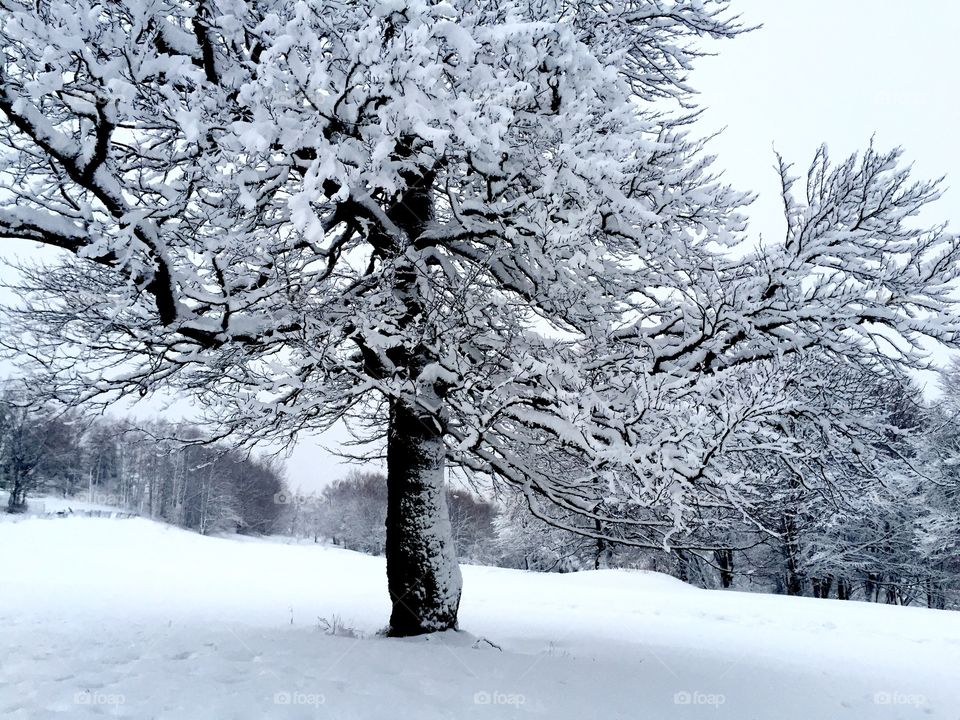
<point x="130" y="618"/>
<point x="51" y="505"/>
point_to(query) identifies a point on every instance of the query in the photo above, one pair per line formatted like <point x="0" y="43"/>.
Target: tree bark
<point x="17" y="502"/>
<point x="602" y="551"/>
<point x="790" y="547"/>
<point x="683" y="566"/>
<point x="844" y="589"/>
<point x="422" y="573"/>
<point x="821" y="586"/>
<point x="724" y="560"/>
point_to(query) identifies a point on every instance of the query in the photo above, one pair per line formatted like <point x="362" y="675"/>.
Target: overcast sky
<point x="834" y="71"/>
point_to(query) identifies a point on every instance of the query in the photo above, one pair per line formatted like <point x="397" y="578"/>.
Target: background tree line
<point x="830" y="528"/>
<point x="351" y="513"/>
<point x="145" y="468"/>
<point x="875" y="518"/>
<point x="833" y="526"/>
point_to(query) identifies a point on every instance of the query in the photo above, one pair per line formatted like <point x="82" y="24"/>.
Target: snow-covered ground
<point x="78" y="505"/>
<point x="130" y="618"/>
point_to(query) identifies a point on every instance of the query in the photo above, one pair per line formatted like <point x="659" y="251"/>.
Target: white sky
<point x="835" y="71"/>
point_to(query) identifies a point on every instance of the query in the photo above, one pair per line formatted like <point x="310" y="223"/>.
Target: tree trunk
<point x="601" y="555"/>
<point x="724" y="560"/>
<point x="683" y="566"/>
<point x="821" y="587"/>
<point x="790" y="546"/>
<point x="844" y="589"/>
<point x="422" y="572"/>
<point x="17" y="502"/>
<point x="936" y="597"/>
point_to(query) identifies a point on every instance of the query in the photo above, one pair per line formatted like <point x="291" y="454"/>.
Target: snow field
<point x="131" y="618"/>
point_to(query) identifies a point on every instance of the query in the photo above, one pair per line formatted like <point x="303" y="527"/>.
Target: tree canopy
<point x="489" y="224"/>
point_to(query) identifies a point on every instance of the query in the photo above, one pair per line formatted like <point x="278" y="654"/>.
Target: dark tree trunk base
<point x="422" y="572"/>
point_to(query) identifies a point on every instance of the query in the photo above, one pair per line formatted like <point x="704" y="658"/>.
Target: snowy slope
<point x="129" y="618"/>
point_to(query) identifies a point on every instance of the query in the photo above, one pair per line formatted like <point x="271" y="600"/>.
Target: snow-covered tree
<point x="352" y="512"/>
<point x="936" y="530"/>
<point x="484" y="222"/>
<point x="23" y="439"/>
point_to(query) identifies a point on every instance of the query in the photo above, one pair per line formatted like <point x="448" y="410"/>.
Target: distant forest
<point x="138" y="467"/>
